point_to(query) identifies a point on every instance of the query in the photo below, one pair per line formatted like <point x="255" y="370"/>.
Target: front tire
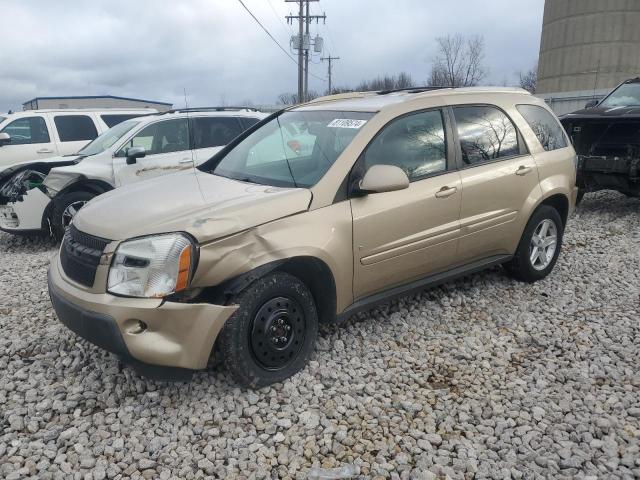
<point x="539" y="246"/>
<point x="272" y="335"/>
<point x="64" y="209"/>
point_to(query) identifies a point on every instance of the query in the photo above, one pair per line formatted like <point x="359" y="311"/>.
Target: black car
<point x="606" y="136"/>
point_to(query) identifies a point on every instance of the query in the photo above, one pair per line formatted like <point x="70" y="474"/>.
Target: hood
<point x="204" y="205"/>
<point x="50" y="162"/>
<point x="605" y="113"/>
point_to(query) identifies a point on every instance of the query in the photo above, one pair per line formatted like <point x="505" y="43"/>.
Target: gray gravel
<point x="485" y="377"/>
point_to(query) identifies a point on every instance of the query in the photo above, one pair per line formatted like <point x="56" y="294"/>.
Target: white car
<point x="43" y="196"/>
<point x="39" y="134"/>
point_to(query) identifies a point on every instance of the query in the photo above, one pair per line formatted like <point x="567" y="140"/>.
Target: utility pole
<point x="303" y="43"/>
<point x="306" y="57"/>
<point x="330" y="59"/>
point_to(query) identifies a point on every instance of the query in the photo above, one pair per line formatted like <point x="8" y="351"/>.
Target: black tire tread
<point x="59" y="205"/>
<point x="233" y="339"/>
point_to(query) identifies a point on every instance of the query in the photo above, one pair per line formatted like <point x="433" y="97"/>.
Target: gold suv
<point x="317" y="212"/>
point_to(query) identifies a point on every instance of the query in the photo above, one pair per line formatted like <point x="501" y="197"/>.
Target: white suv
<point x="38" y="134"/>
<point x="43" y="196"/>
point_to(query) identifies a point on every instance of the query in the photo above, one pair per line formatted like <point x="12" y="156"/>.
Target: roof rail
<point x="210" y="109"/>
<point x="411" y="90"/>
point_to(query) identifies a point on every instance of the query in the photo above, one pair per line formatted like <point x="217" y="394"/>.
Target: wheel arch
<point x="560" y="202"/>
<point x="84" y="184"/>
<point x="312" y="271"/>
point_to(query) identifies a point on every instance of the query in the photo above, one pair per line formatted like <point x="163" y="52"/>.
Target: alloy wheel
<point x="70" y="212"/>
<point x="543" y="244"/>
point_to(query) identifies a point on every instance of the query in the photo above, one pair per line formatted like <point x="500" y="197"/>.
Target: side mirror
<point x="591" y="104"/>
<point x="383" y="178"/>
<point x="4" y="138"/>
<point x="134" y="153"/>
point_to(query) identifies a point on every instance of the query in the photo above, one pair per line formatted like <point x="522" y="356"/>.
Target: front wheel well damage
<point x="313" y="272"/>
<point x="97" y="187"/>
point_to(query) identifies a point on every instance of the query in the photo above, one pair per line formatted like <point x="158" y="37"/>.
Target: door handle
<point x="445" y="192"/>
<point x="186" y="160"/>
<point x="44" y="150"/>
<point x="522" y="170"/>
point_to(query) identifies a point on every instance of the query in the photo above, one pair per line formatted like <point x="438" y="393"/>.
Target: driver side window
<point x="416" y="143"/>
<point x="28" y="130"/>
<point x="161" y="137"/>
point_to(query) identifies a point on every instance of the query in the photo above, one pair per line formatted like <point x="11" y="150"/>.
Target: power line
<point x="286" y="27"/>
<point x="267" y="32"/>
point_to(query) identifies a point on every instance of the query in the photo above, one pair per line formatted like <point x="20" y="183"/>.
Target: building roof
<point x="376" y="101"/>
<point x="86" y="97"/>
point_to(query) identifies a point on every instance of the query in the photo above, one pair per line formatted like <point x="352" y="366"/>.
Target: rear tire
<point x="272" y="335"/>
<point x="64" y="209"/>
<point x="539" y="246"/>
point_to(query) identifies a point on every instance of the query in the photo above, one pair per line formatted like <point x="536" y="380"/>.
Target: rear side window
<point x="486" y="134"/>
<point x="75" y="128"/>
<point x="548" y="130"/>
<point x="111" y="120"/>
<point x="29" y="130"/>
<point x="248" y="122"/>
<point x="215" y="131"/>
<point x="415" y="143"/>
<point x="161" y="137"/>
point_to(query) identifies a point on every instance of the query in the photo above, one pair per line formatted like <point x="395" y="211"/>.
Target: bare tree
<point x="292" y="98"/>
<point x="529" y="79"/>
<point x="459" y="62"/>
<point x="388" y="82"/>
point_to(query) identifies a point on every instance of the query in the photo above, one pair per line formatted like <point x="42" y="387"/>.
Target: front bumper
<point x="177" y="335"/>
<point x="26" y="215"/>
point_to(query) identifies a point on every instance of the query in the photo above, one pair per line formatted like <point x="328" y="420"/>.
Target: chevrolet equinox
<point x="317" y="212"/>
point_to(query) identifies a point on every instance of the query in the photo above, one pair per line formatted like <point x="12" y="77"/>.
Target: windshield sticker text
<point x="346" y="123"/>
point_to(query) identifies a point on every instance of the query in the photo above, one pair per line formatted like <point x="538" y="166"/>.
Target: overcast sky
<point x="154" y="49"/>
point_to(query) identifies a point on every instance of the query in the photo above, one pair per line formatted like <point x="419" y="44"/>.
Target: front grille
<point x="80" y="255"/>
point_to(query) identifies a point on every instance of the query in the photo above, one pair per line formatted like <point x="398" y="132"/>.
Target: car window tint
<point x="485" y="134"/>
<point x="215" y="131"/>
<point x="162" y="137"/>
<point x="75" y="128"/>
<point x="27" y="130"/>
<point x="248" y="122"/>
<point x="548" y="130"/>
<point x="415" y="143"/>
<point x="111" y="120"/>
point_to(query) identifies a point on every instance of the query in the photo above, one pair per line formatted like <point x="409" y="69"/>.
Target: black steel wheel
<point x="272" y="334"/>
<point x="278" y="332"/>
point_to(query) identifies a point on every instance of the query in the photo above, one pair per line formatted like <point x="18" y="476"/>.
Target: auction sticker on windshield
<point x="346" y="123"/>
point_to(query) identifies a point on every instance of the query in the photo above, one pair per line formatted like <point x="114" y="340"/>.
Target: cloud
<point x="215" y="51"/>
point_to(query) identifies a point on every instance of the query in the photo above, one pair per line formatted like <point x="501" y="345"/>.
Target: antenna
<point x="189" y="135"/>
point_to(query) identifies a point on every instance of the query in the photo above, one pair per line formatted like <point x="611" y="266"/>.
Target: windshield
<point x="108" y="138"/>
<point x="624" y="96"/>
<point x="295" y="149"/>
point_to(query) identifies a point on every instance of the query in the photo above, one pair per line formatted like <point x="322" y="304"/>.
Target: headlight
<point x="152" y="267"/>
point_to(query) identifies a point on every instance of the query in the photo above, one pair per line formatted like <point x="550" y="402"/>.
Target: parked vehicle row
<point x="44" y="195"/>
<point x="39" y="134"/>
<point x="319" y="211"/>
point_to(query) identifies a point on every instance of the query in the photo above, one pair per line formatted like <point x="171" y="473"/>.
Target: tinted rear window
<point x="75" y="128"/>
<point x="215" y="131"/>
<point x="548" y="130"/>
<point x="248" y="122"/>
<point x="111" y="120"/>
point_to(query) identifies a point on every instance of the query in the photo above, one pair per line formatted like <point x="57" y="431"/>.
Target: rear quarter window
<point x="546" y="127"/>
<point x="75" y="128"/>
<point x="113" y="119"/>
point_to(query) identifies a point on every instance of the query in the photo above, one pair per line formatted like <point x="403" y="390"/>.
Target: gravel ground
<point x="484" y="377"/>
